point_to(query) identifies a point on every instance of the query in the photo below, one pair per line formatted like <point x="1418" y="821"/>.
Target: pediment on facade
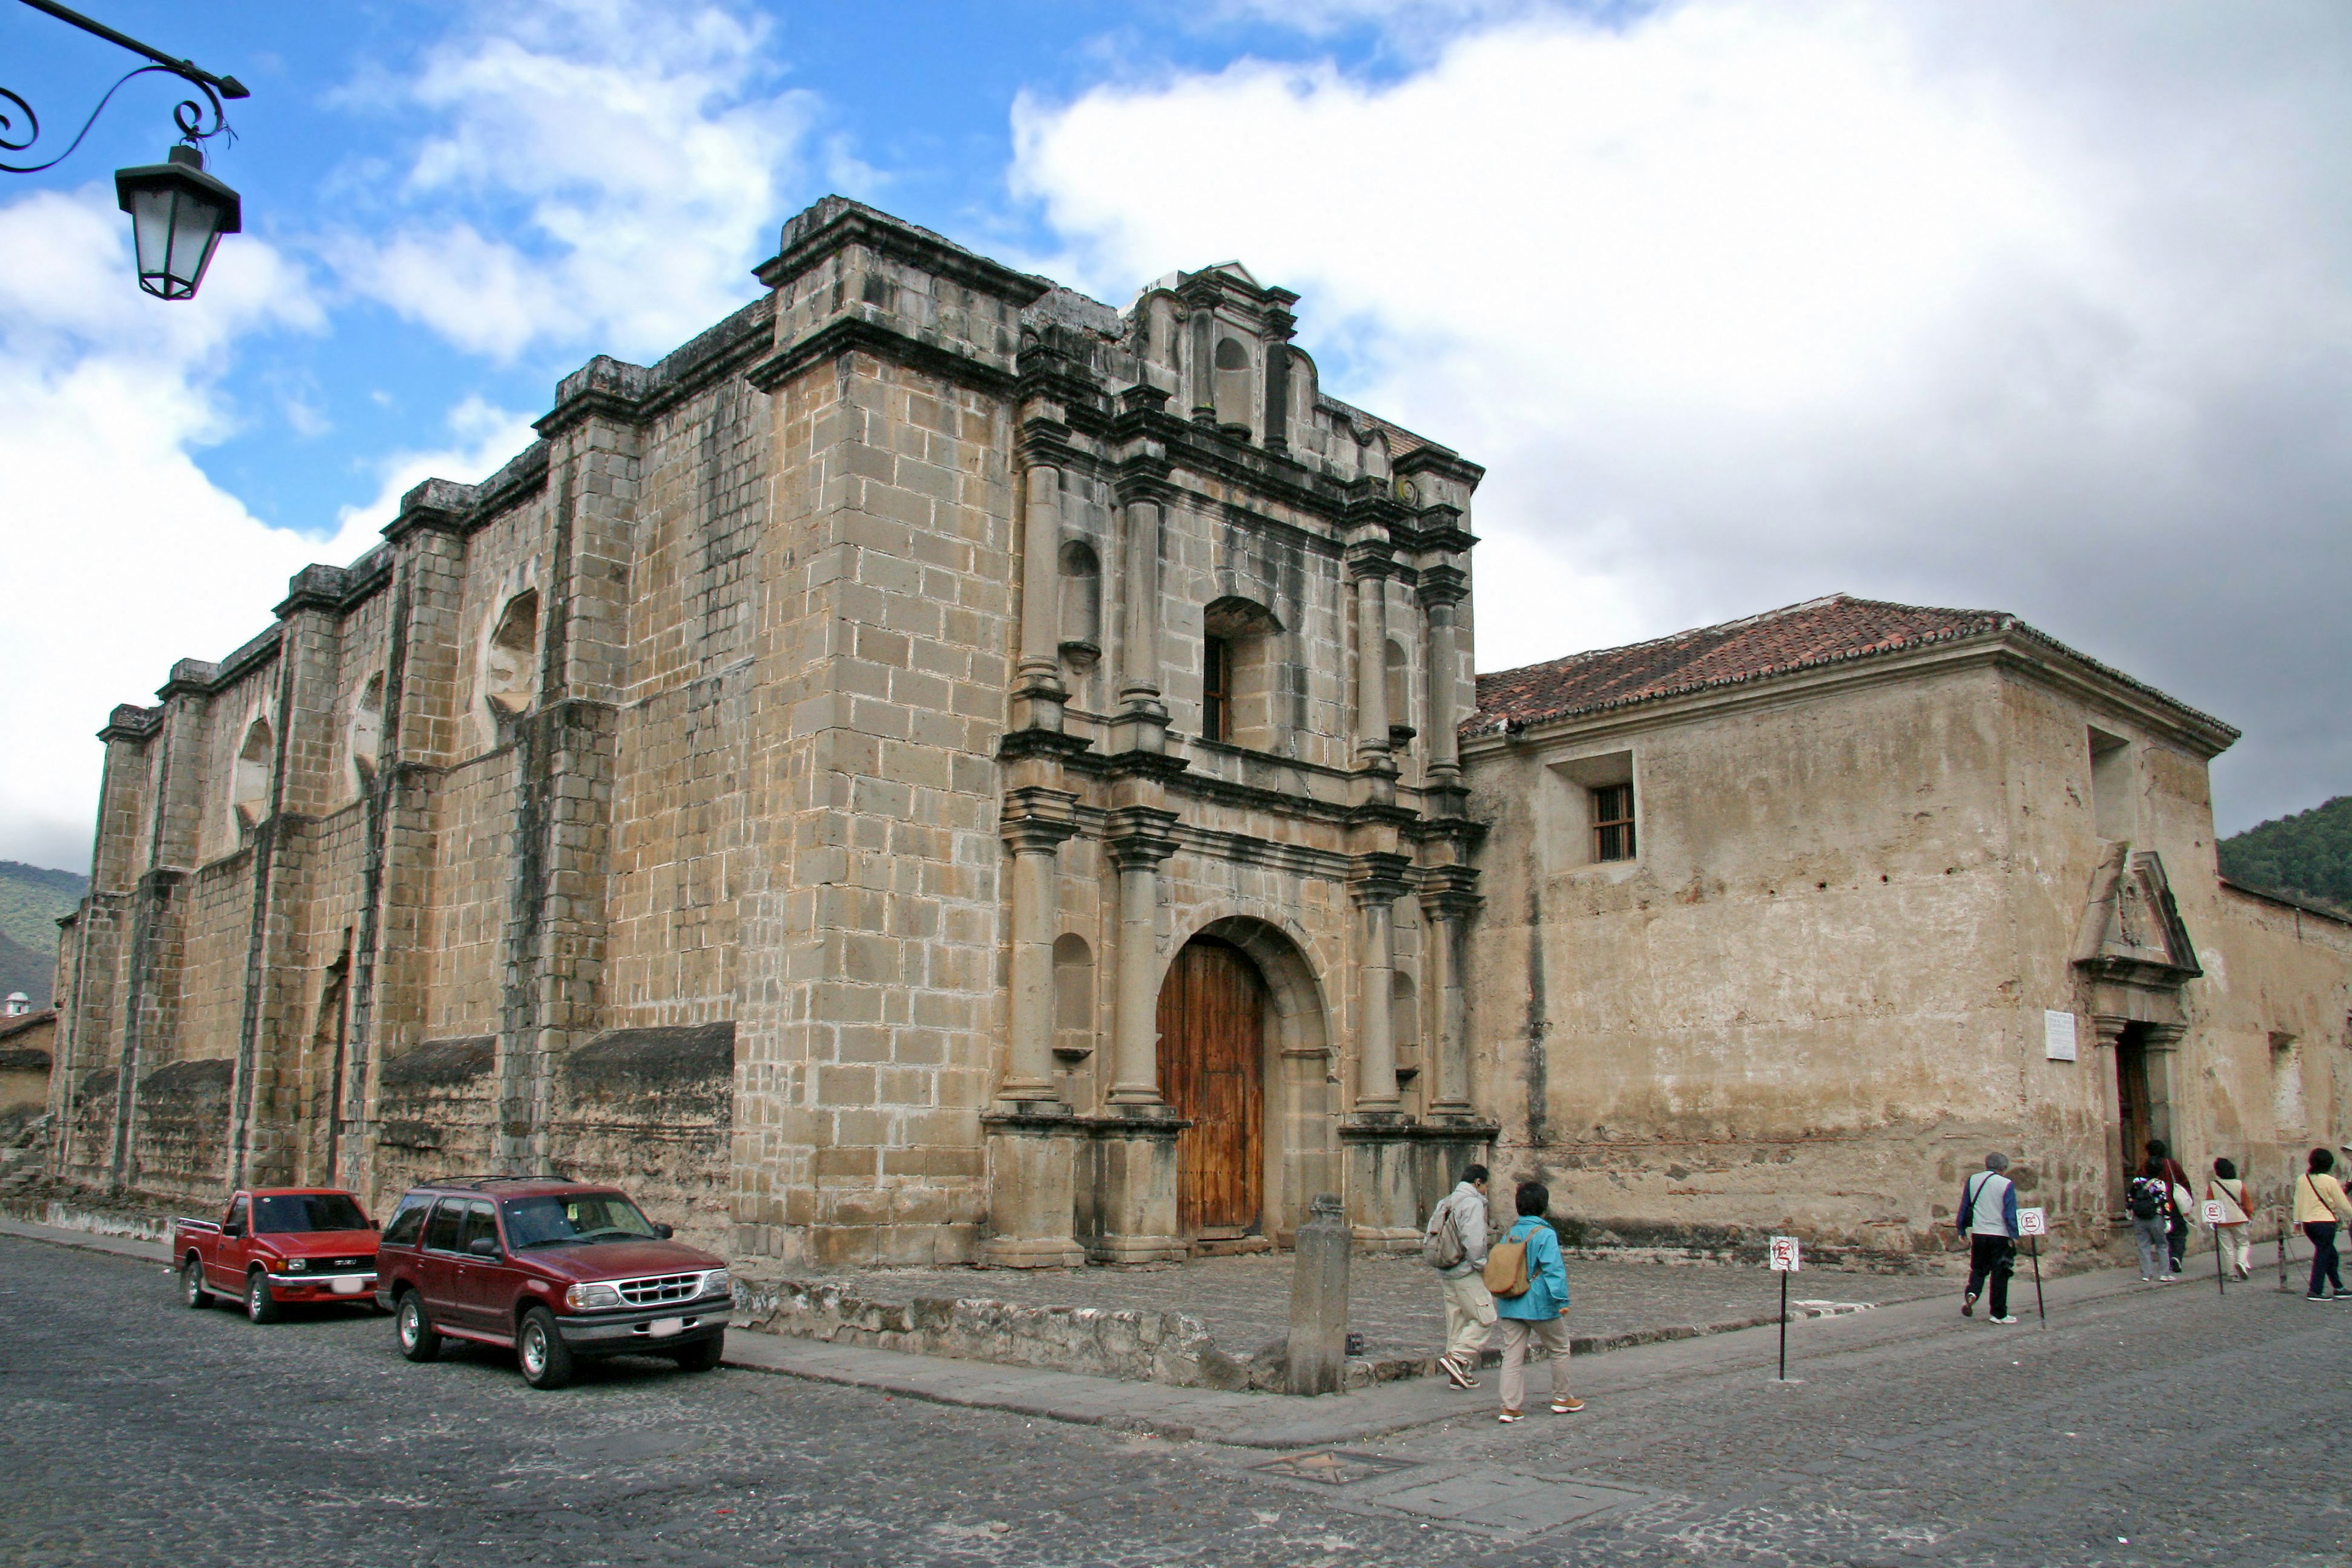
<point x="2131" y="930"/>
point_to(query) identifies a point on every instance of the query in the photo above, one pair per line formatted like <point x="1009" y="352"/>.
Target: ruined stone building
<point x="935" y="768"/>
<point x="940" y="769"/>
<point x="1818" y="907"/>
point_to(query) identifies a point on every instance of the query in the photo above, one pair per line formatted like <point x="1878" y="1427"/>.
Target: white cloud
<point x="122" y="555"/>
<point x="1745" y="302"/>
<point x="599" y="171"/>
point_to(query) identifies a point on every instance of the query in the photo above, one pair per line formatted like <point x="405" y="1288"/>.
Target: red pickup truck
<point x="275" y="1245"/>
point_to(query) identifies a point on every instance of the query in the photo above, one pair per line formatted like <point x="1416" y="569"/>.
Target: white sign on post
<point x="2033" y="1222"/>
<point x="2058" y="1037"/>
<point x="2212" y="1210"/>
<point x="1786" y="1258"/>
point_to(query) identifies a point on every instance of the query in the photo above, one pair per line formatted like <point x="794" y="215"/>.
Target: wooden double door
<point x="1211" y="1073"/>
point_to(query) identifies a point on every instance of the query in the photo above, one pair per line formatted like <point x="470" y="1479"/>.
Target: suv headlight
<point x="718" y="1282"/>
<point x="588" y="1298"/>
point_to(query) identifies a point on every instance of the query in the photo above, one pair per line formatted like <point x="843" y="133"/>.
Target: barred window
<point x="1612" y="822"/>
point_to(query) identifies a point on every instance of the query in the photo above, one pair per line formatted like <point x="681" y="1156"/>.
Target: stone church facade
<point x="940" y="769"/>
<point x="937" y="768"/>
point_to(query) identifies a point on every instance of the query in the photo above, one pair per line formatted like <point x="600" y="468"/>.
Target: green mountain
<point x="2308" y="853"/>
<point x="31" y="900"/>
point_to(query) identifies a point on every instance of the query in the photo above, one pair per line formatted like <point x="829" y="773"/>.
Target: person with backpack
<point x="1456" y="1246"/>
<point x="2148" y="1200"/>
<point x="1530" y="1281"/>
<point x="2319" y="1199"/>
<point x="1987" y="1217"/>
<point x="2181" y="1205"/>
<point x="2233" y="1236"/>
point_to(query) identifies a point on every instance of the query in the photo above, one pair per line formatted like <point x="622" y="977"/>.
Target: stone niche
<point x="182" y="1144"/>
<point x="653" y="1110"/>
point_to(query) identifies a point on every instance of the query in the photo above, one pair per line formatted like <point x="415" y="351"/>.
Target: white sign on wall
<point x="1786" y="1258"/>
<point x="2033" y="1222"/>
<point x="2058" y="1036"/>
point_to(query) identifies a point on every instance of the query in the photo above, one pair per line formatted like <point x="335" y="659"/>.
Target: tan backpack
<point x="1506" y="1269"/>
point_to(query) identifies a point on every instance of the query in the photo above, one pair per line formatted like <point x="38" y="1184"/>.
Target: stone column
<point x="2107" y="1031"/>
<point x="1447" y="910"/>
<point x="1037" y="875"/>
<point x="1038" y="692"/>
<point x="1139" y="661"/>
<point x="1368" y="566"/>
<point x="2160" y="1047"/>
<point x="1137" y="851"/>
<point x="1443" y="589"/>
<point x="1376" y="1080"/>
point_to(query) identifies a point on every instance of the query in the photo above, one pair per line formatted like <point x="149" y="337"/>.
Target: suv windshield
<point x="307" y="1211"/>
<point x="574" y="1221"/>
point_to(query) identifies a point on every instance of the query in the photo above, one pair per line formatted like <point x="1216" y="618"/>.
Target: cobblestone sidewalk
<point x="1244" y="1301"/>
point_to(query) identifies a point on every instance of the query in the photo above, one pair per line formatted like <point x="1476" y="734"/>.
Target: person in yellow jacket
<point x="2319" y="1199"/>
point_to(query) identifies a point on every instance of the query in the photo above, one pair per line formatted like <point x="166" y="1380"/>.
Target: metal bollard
<point x="1318" y="1361"/>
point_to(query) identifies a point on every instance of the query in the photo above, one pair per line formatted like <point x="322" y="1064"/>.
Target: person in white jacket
<point x="1455" y="1244"/>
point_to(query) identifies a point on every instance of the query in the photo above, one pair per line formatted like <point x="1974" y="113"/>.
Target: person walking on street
<point x="2319" y="1199"/>
<point x="2148" y="1200"/>
<point x="1987" y="1217"/>
<point x="1456" y="1246"/>
<point x="1536" y="1311"/>
<point x="2233" y="1236"/>
<point x="2177" y="1226"/>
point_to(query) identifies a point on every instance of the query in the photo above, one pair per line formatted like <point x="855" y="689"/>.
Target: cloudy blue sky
<point x="2044" y="308"/>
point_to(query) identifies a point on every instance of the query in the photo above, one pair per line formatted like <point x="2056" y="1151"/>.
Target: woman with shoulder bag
<point x="1530" y="1281"/>
<point x="2319" y="1199"/>
<point x="2233" y="1236"/>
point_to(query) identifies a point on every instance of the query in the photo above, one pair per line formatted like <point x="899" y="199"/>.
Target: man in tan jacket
<point x="1456" y="1246"/>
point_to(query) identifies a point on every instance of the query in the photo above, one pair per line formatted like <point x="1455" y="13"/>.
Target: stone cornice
<point x="837" y="222"/>
<point x="129" y="721"/>
<point x="850" y="334"/>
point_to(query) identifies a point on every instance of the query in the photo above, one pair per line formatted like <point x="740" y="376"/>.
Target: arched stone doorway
<point x="1244" y="1056"/>
<point x="1212" y="1067"/>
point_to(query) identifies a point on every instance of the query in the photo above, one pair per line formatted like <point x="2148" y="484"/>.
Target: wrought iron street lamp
<point x="178" y="212"/>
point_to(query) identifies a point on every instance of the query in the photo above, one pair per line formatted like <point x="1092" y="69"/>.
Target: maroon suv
<point x="555" y="1270"/>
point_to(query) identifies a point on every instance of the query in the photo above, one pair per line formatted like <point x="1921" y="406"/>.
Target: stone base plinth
<point x="1132" y="1212"/>
<point x="1032" y="1186"/>
<point x="1381" y="1159"/>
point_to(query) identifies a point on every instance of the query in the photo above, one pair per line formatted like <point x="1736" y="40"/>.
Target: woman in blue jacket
<point x="1541" y="1313"/>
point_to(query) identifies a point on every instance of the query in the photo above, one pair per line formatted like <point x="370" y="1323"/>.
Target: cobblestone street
<point x="2156" y="1427"/>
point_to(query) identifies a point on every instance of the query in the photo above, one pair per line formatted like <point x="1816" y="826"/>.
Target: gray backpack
<point x="1441" y="1244"/>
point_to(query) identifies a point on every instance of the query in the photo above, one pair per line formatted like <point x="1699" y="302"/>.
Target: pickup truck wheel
<point x="702" y="1357"/>
<point x="260" y="1304"/>
<point x="417" y="1340"/>
<point x="191" y="1284"/>
<point x="546" y="1359"/>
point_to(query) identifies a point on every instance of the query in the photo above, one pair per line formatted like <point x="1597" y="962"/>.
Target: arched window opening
<point x="249" y="791"/>
<point x="1081" y="600"/>
<point x="1400" y="689"/>
<point x="508" y="674"/>
<point x="367" y="728"/>
<point x="1216" y="689"/>
<point x="1233" y="382"/>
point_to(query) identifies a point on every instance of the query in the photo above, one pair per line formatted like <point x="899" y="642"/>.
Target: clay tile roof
<point x="1779" y="642"/>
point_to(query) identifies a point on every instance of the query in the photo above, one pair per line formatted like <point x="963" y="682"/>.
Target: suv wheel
<point x="417" y="1340"/>
<point x="704" y="1356"/>
<point x="191" y="1284"/>
<point x="546" y="1359"/>
<point x="260" y="1304"/>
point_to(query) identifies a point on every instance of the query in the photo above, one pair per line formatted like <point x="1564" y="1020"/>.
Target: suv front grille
<point x="657" y="1289"/>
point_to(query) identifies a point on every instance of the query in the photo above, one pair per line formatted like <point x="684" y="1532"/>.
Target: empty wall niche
<point x="1233" y="382"/>
<point x="250" y="788"/>
<point x="1081" y="582"/>
<point x="1593" y="809"/>
<point x="2287" y="1115"/>
<point x="2111" y="786"/>
<point x="507" y="672"/>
